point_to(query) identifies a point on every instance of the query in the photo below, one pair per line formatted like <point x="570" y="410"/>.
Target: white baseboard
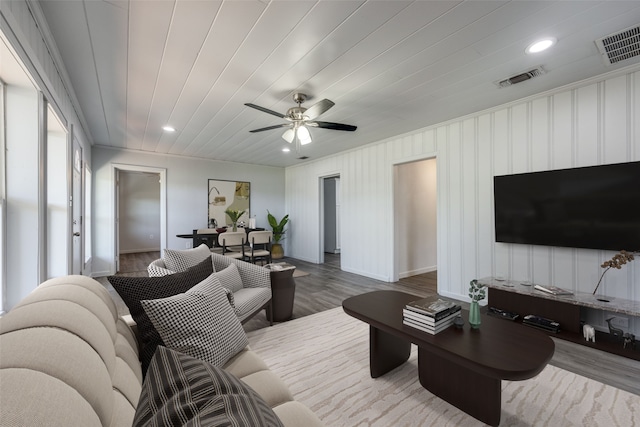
<point x="367" y="274"/>
<point x="410" y="273"/>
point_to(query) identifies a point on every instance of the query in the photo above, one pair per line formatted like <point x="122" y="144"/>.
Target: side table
<point x="283" y="290"/>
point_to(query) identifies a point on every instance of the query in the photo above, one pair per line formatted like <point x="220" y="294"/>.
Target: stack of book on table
<point x="432" y="314"/>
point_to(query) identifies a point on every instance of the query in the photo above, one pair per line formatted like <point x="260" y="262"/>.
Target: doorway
<point x="415" y="212"/>
<point x="140" y="210"/>
<point x="330" y="220"/>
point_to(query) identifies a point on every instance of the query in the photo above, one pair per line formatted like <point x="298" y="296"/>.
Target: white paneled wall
<point x="591" y="123"/>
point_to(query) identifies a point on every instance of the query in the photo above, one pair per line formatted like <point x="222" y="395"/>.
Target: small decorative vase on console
<point x="474" y="315"/>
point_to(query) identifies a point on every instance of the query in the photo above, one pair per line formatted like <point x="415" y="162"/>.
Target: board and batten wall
<point x="588" y="123"/>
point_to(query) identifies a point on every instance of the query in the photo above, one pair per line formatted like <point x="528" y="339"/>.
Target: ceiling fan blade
<point x="331" y="125"/>
<point x="318" y="108"/>
<point x="271" y="127"/>
<point x="265" y="110"/>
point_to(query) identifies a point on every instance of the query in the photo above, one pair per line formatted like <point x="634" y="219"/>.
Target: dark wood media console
<point x="523" y="300"/>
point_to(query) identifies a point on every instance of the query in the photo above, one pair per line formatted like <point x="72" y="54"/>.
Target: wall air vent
<point x="527" y="75"/>
<point x="620" y="46"/>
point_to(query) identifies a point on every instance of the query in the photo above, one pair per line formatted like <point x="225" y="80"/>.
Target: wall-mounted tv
<point x="595" y="207"/>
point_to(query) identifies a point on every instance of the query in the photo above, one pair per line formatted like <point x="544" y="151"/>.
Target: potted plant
<point x="277" y="227"/>
<point x="234" y="215"/>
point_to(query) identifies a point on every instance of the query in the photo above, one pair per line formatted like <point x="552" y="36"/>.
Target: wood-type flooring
<point x="327" y="286"/>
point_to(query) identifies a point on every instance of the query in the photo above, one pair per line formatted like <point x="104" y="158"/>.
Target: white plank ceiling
<point x="390" y="66"/>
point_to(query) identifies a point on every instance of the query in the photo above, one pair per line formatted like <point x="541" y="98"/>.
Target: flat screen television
<point x="595" y="207"/>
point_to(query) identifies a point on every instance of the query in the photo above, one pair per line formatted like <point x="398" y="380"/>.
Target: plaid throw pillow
<point x="199" y="322"/>
<point x="181" y="260"/>
<point x="181" y="390"/>
<point x="134" y="289"/>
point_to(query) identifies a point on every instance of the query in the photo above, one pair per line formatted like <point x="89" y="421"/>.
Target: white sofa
<point x="67" y="359"/>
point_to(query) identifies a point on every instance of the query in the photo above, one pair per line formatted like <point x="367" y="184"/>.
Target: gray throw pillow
<point x="180" y="260"/>
<point x="181" y="390"/>
<point x="134" y="289"/>
<point x="199" y="322"/>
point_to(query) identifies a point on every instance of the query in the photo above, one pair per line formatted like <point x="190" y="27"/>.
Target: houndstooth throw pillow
<point x="230" y="278"/>
<point x="180" y="260"/>
<point x="200" y="322"/>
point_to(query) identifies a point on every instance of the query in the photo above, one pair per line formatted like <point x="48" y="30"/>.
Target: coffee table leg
<point x="477" y="395"/>
<point x="386" y="351"/>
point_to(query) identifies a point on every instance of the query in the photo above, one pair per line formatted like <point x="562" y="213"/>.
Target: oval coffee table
<point x="464" y="366"/>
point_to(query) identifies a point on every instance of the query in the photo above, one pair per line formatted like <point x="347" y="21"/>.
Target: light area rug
<point x="300" y="273"/>
<point x="324" y="359"/>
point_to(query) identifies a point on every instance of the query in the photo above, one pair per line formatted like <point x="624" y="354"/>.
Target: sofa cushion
<point x="199" y="322"/>
<point x="134" y="289"/>
<point x="181" y="260"/>
<point x="248" y="299"/>
<point x="182" y="390"/>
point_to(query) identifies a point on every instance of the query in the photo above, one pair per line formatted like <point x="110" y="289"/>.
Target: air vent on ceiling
<point x="527" y="75"/>
<point x="620" y="46"/>
<point x="303" y="157"/>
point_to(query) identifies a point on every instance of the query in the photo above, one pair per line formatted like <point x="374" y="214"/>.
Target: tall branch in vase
<point x="617" y="262"/>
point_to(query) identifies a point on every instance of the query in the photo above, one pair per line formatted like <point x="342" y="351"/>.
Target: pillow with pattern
<point x="230" y="278"/>
<point x="180" y="260"/>
<point x="134" y="289"/>
<point x="199" y="322"/>
<point x="182" y="390"/>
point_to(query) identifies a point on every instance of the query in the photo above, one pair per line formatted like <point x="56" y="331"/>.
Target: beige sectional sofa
<point x="67" y="359"/>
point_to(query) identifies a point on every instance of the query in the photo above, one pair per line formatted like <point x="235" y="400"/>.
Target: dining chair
<point x="260" y="244"/>
<point x="232" y="243"/>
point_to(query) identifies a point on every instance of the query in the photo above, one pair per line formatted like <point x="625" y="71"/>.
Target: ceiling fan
<point x="300" y="119"/>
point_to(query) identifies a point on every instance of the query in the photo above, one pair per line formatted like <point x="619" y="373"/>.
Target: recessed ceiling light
<point x="286" y="150"/>
<point x="541" y="45"/>
<point x="168" y="128"/>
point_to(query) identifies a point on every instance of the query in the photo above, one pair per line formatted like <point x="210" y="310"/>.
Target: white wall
<point x="593" y="122"/>
<point x="139" y="212"/>
<point x="187" y="184"/>
<point x="415" y="213"/>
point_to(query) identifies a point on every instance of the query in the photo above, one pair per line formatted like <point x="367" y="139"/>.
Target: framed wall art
<point x="232" y="195"/>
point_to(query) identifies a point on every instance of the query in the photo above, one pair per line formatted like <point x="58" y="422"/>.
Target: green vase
<point x="474" y="315"/>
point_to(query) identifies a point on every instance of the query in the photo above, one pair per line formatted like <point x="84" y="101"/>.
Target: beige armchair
<point x="248" y="294"/>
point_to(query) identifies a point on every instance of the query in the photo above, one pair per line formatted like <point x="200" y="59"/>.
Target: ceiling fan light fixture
<point x="288" y="135"/>
<point x="303" y="135"/>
